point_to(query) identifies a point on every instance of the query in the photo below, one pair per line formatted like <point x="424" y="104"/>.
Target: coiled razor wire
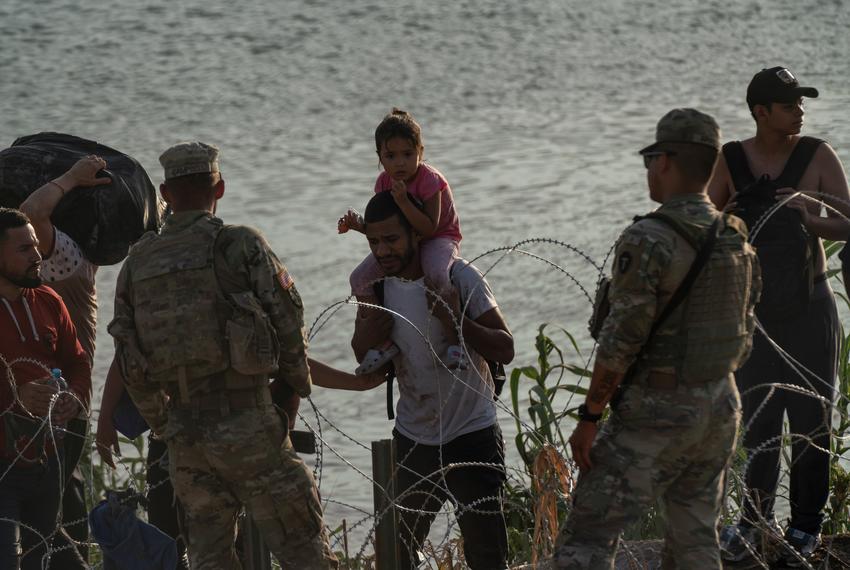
<point x="450" y="511"/>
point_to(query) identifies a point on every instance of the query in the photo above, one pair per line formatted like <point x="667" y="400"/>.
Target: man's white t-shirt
<point x="437" y="405"/>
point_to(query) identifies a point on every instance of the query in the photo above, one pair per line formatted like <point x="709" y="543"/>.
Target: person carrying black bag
<point x="758" y="180"/>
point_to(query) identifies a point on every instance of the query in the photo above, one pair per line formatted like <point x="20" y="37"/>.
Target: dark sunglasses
<point x="649" y="156"/>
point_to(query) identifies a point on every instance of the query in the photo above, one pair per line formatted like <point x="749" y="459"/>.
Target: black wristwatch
<point x="585" y="416"/>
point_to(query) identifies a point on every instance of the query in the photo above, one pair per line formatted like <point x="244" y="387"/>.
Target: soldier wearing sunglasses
<point x="681" y="300"/>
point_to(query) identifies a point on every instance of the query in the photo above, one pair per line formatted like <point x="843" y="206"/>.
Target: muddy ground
<point x="646" y="555"/>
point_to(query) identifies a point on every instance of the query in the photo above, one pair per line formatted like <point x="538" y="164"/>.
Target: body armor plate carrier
<point x="716" y="318"/>
<point x="186" y="326"/>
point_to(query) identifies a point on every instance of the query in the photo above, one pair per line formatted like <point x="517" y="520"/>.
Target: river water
<point x="533" y="110"/>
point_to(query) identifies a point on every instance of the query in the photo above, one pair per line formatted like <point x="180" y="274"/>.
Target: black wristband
<point x="586" y="416"/>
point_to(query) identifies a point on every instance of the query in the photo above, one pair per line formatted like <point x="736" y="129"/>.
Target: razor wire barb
<point x="344" y="444"/>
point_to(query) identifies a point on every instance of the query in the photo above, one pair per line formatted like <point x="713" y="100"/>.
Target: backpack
<point x="785" y="248"/>
<point x="104" y="220"/>
<point x="497" y="369"/>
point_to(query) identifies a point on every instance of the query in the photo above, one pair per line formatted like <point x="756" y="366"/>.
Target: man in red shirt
<point x="36" y="336"/>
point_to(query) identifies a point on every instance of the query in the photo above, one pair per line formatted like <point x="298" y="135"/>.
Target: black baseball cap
<point x="776" y="85"/>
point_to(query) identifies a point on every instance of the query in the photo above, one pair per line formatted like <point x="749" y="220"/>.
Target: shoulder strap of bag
<point x="378" y="288"/>
<point x="684" y="287"/>
<point x="675" y="224"/>
<point x="703" y="254"/>
<point x="736" y="162"/>
<point x="798" y="162"/>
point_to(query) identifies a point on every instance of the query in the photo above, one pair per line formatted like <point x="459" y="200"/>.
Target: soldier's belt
<point x="670" y="381"/>
<point x="231" y="380"/>
<point x="225" y="401"/>
<point x="661" y="381"/>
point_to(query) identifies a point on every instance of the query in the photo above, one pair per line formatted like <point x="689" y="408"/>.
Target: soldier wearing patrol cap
<point x="684" y="285"/>
<point x="204" y="314"/>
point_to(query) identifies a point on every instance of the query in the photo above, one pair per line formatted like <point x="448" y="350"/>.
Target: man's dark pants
<point x="812" y="340"/>
<point x="75" y="525"/>
<point x="425" y="482"/>
<point x="29" y="511"/>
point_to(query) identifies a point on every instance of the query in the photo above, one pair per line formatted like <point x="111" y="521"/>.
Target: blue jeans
<point x="29" y="497"/>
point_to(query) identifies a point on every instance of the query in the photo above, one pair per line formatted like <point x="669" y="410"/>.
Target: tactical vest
<point x="187" y="328"/>
<point x="715" y="320"/>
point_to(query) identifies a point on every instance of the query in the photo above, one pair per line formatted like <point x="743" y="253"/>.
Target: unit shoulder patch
<point x="624" y="262"/>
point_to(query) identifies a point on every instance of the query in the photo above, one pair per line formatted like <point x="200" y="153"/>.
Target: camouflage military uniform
<point x="673" y="432"/>
<point x="224" y="455"/>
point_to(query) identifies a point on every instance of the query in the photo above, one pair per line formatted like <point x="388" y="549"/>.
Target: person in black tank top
<point x="757" y="180"/>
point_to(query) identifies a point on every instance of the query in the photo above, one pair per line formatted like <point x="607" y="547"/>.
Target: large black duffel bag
<point x="104" y="220"/>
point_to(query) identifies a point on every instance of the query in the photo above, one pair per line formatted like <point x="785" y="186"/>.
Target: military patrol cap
<point x="686" y="126"/>
<point x="189" y="158"/>
<point x="776" y="85"/>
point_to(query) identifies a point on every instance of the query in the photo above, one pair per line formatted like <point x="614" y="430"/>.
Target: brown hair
<point x="753" y="109"/>
<point x="383" y="206"/>
<point x="694" y="161"/>
<point x="11" y="218"/>
<point x="398" y="124"/>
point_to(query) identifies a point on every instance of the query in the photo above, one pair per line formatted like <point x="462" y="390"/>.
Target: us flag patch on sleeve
<point x="285" y="279"/>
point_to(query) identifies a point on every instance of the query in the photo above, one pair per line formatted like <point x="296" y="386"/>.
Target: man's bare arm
<point x="720" y="186"/>
<point x="489" y="336"/>
<point x="832" y="186"/>
<point x="831" y="191"/>
<point x="370" y="331"/>
<point x="40" y="204"/>
<point x="107" y="437"/>
<point x="329" y="377"/>
<point x="603" y="383"/>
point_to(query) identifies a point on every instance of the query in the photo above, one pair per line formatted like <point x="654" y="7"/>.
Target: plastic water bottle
<point x="58" y="382"/>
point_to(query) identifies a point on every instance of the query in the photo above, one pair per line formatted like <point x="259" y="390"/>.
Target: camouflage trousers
<point x="673" y="445"/>
<point x="220" y="463"/>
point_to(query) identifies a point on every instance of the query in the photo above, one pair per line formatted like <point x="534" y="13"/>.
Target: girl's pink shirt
<point x="428" y="182"/>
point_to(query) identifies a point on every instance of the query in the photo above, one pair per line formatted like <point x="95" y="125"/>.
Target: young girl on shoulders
<point x="398" y="142"/>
